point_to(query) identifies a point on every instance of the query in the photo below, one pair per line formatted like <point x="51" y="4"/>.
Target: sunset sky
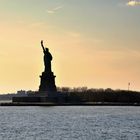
<point x="94" y="43"/>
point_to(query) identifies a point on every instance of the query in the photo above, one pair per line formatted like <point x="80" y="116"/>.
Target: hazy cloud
<point x="133" y="3"/>
<point x="52" y="11"/>
<point x="74" y="34"/>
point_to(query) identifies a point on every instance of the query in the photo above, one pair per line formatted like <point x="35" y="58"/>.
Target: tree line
<point x="99" y="95"/>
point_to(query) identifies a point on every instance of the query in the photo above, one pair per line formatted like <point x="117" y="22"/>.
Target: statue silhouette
<point x="47" y="81"/>
<point x="47" y="58"/>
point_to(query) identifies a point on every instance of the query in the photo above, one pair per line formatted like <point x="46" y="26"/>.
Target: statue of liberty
<point x="47" y="58"/>
<point x="47" y="81"/>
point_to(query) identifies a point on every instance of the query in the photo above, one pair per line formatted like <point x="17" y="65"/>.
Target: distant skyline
<point x="94" y="43"/>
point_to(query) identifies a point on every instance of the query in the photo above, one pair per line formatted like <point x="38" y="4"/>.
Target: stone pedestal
<point x="47" y="84"/>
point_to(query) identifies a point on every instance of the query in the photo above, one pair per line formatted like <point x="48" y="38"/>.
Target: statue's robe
<point x="47" y="61"/>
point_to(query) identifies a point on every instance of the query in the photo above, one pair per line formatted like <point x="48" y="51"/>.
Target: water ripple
<point x="69" y="123"/>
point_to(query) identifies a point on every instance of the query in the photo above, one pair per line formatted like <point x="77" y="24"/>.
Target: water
<point x="70" y="123"/>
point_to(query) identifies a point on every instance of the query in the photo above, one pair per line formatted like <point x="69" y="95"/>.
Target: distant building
<point x="21" y="93"/>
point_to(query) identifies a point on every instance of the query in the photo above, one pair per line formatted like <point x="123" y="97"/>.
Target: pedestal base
<point x="47" y="84"/>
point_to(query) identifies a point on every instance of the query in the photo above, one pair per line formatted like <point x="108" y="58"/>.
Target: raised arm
<point x="42" y="46"/>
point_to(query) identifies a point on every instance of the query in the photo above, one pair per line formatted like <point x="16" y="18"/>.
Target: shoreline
<point x="68" y="104"/>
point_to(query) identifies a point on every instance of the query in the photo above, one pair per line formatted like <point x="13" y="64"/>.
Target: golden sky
<point x="94" y="43"/>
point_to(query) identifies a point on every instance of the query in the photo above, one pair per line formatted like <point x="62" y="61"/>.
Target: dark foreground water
<point x="72" y="123"/>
